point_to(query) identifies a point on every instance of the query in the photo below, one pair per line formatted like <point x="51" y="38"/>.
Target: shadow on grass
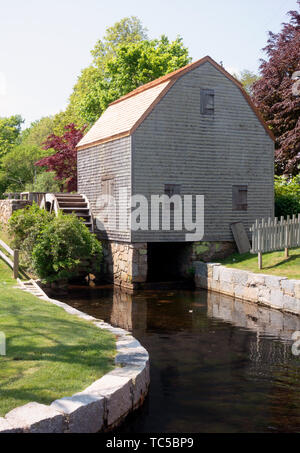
<point x="286" y="260"/>
<point x="49" y="352"/>
<point x="249" y="259"/>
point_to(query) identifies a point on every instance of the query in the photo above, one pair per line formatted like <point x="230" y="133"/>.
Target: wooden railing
<point x="14" y="262"/>
<point x="271" y="235"/>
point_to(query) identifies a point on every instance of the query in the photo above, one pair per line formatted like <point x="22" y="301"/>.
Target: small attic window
<point x="172" y="189"/>
<point x="239" y="198"/>
<point x="207" y="101"/>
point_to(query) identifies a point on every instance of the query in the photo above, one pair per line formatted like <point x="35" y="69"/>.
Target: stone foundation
<point x="210" y="251"/>
<point x="204" y="251"/>
<point x="125" y="264"/>
<point x="8" y="207"/>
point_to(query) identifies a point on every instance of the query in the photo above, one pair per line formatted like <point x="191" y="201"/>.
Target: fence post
<point x="16" y="264"/>
<point x="260" y="243"/>
<point x="259" y="260"/>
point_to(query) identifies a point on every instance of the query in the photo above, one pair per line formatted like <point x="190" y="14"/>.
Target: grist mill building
<point x="192" y="132"/>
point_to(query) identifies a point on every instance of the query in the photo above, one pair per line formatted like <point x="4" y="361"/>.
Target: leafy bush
<point x="61" y="246"/>
<point x="287" y="196"/>
<point x="25" y="225"/>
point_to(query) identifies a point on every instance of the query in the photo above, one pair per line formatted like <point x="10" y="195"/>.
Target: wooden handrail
<point x="6" y="247"/>
<point x="14" y="263"/>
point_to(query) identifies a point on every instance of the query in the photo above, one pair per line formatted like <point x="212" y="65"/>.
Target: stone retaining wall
<point x="8" y="207"/>
<point x="276" y="292"/>
<point x="100" y="407"/>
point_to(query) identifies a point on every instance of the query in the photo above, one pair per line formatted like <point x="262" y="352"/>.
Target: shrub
<point x="287" y="196"/>
<point x="25" y="225"/>
<point x="61" y="246"/>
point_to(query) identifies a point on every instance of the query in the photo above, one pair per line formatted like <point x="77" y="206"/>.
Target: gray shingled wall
<point x="206" y="155"/>
<point x="112" y="159"/>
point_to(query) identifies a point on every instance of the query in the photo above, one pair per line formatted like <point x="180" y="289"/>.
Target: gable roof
<point x="123" y="116"/>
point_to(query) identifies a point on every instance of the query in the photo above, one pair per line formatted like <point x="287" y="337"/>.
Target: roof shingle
<point x="124" y="115"/>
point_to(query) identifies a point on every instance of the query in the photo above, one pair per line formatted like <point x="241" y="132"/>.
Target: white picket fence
<point x="270" y="235"/>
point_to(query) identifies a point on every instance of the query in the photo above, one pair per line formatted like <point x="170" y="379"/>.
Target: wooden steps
<point x="77" y="204"/>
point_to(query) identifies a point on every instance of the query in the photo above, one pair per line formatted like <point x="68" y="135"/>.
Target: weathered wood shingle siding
<point x="112" y="159"/>
<point x="205" y="154"/>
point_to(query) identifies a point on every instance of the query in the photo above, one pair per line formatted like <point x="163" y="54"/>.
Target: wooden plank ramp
<point x="240" y="237"/>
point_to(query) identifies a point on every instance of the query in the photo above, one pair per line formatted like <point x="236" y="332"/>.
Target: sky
<point x="44" y="45"/>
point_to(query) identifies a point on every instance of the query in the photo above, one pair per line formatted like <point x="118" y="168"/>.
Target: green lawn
<point x="273" y="263"/>
<point x="50" y="354"/>
<point x="4" y="235"/>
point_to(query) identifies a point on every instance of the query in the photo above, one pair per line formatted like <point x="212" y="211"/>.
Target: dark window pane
<point x="172" y="189"/>
<point x="239" y="198"/>
<point x="207" y="101"/>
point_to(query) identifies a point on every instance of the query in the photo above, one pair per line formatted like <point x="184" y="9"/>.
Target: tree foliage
<point x="64" y="161"/>
<point x="247" y="79"/>
<point x="10" y="129"/>
<point x="44" y="182"/>
<point x="287" y="196"/>
<point x="133" y="65"/>
<point x="84" y="107"/>
<point x="122" y="61"/>
<point x="38" y="131"/>
<point x="274" y="96"/>
<point x="127" y="31"/>
<point x="18" y="167"/>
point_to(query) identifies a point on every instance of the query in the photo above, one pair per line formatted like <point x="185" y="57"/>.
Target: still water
<point x="217" y="364"/>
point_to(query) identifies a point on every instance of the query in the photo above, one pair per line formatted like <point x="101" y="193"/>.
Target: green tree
<point x="37" y="133"/>
<point x="133" y="65"/>
<point x="89" y="78"/>
<point x="84" y="98"/>
<point x="122" y="61"/>
<point x="17" y="167"/>
<point x="126" y="31"/>
<point x="287" y="196"/>
<point x="10" y="129"/>
<point x="44" y="182"/>
<point x="247" y="78"/>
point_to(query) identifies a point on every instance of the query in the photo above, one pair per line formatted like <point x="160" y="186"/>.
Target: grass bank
<point x="274" y="263"/>
<point x="49" y="353"/>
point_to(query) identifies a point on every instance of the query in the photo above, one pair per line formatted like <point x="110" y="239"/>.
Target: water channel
<point x="217" y="364"/>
